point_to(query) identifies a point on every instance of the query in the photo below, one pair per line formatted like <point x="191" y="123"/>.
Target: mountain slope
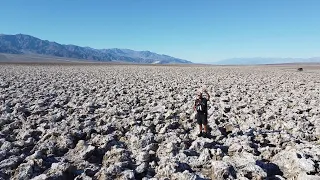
<point x="25" y="44"/>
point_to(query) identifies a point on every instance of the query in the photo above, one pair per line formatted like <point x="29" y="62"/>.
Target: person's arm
<point x="208" y="96"/>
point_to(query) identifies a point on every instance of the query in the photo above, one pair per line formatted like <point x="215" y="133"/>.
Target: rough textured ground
<point x="137" y="122"/>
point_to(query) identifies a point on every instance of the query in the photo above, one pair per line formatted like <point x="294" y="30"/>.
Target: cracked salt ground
<point x="137" y="122"/>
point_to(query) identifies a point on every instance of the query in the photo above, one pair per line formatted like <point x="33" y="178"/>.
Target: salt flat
<point x="107" y="121"/>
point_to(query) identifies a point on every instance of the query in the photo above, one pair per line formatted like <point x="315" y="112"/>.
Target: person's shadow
<point x="209" y="135"/>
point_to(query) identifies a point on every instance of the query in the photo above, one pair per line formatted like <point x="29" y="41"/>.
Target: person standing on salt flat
<point x="201" y="107"/>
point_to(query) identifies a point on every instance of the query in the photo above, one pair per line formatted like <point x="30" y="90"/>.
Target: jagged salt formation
<point x="137" y="122"/>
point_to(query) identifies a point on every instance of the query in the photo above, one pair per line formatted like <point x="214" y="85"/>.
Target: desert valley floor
<point x="108" y="121"/>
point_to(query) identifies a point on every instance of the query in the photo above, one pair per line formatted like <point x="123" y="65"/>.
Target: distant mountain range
<point x="260" y="60"/>
<point x="28" y="45"/>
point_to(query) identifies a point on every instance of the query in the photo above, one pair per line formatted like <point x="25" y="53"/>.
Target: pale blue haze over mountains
<point x="200" y="31"/>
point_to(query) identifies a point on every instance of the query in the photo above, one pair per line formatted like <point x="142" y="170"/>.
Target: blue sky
<point x="196" y="30"/>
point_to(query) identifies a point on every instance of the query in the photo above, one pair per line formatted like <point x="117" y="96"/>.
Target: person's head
<point x="200" y="94"/>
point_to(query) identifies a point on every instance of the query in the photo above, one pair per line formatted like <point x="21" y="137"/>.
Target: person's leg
<point x="200" y="127"/>
<point x="206" y="128"/>
<point x="200" y="130"/>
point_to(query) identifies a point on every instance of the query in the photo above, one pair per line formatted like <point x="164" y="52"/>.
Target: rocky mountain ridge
<point x="26" y="44"/>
